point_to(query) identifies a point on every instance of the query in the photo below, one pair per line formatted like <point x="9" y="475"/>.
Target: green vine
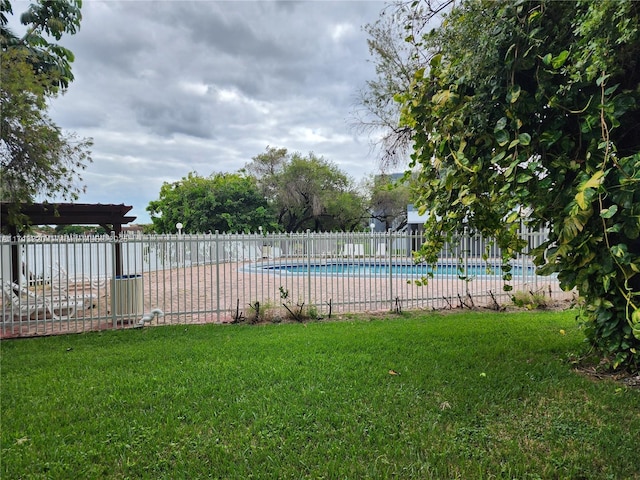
<point x="539" y="118"/>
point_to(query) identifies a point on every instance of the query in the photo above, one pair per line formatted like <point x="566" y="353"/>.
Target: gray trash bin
<point x="126" y="295"/>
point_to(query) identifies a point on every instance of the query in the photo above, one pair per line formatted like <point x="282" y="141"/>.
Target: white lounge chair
<point x="13" y="308"/>
<point x="62" y="282"/>
<point x="353" y="250"/>
<point x="60" y="294"/>
<point x="269" y="251"/>
<point x="23" y="304"/>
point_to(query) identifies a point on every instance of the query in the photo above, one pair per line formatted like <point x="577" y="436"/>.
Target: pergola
<point x="110" y="217"/>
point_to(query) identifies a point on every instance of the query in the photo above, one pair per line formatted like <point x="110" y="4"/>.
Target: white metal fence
<point x="69" y="283"/>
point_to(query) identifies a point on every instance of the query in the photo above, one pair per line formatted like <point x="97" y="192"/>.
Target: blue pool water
<point x="385" y="269"/>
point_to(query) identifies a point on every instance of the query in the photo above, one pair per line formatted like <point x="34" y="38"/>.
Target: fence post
<point x="217" y="246"/>
<point x="465" y="255"/>
<point x="114" y="261"/>
<point x="308" y="267"/>
<point x="524" y="231"/>
<point x="389" y="241"/>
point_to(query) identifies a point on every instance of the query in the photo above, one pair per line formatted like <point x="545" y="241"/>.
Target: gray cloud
<point x="169" y="87"/>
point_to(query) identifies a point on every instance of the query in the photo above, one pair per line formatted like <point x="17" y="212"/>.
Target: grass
<point x="478" y="395"/>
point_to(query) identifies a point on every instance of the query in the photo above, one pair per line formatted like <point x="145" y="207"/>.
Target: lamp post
<point x="372" y="226"/>
<point x="264" y="247"/>
<point x="178" y="249"/>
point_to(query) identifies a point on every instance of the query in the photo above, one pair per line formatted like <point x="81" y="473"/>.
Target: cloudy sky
<point x="169" y="87"/>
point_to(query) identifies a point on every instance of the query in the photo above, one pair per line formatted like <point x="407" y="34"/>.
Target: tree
<point x="535" y="121"/>
<point x="79" y="230"/>
<point x="314" y="194"/>
<point x="227" y="202"/>
<point x="36" y="156"/>
<point x="308" y="192"/>
<point x="44" y="19"/>
<point x="396" y="61"/>
<point x="388" y="200"/>
<point x="266" y="168"/>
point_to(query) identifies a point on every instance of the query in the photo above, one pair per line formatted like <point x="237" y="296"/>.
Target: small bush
<point x="530" y="300"/>
<point x="312" y="313"/>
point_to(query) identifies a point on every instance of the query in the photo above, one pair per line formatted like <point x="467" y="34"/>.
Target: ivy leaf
<point x="586" y="189"/>
<point x="511" y="169"/>
<point x="500" y="124"/>
<point x="559" y="60"/>
<point x="601" y="79"/>
<point x="571" y="226"/>
<point x="502" y="137"/>
<point x="523" y="177"/>
<point x="594" y="182"/>
<point x="468" y="199"/>
<point x="609" y="212"/>
<point x="636" y="331"/>
<point x="498" y="157"/>
<point x="534" y="15"/>
<point x="441" y="97"/>
<point x="611" y="89"/>
<point x="581" y="200"/>
<point x="525" y="139"/>
<point x="547" y="139"/>
<point x="620" y="251"/>
<point x="622" y="104"/>
<point x="436" y="60"/>
<point x="513" y="94"/>
<point x="513" y="216"/>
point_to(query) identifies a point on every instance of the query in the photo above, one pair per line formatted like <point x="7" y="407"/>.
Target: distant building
<point x="415" y="221"/>
<point x="132" y="228"/>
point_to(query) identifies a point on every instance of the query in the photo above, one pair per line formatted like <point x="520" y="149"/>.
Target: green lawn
<point x="479" y="395"/>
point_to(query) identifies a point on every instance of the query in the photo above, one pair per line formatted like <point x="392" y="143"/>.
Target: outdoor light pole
<point x="179" y="228"/>
<point x="264" y="247"/>
<point x="372" y="226"/>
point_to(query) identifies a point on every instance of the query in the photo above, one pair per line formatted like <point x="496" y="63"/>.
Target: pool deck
<point x="222" y="293"/>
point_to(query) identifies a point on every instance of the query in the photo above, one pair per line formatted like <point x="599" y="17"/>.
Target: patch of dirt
<point x="553" y="306"/>
<point x="631" y="380"/>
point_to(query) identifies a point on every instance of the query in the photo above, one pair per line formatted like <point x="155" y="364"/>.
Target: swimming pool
<point x="382" y="269"/>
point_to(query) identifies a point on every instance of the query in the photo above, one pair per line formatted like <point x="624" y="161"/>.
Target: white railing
<point x="82" y="283"/>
